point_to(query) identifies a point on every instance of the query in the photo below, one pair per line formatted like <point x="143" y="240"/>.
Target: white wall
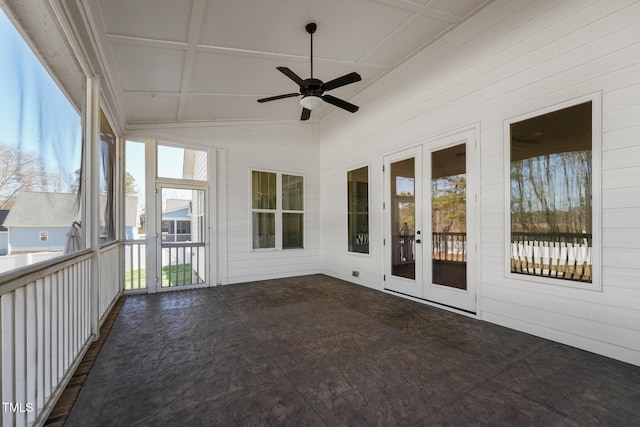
<point x="288" y="147"/>
<point x="512" y="58"/>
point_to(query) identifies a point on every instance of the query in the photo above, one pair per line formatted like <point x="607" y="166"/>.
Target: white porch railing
<point x="109" y="278"/>
<point x="135" y="265"/>
<point x="46" y="316"/>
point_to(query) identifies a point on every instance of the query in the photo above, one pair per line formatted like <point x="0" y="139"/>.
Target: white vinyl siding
<point x="510" y="59"/>
<point x="289" y="148"/>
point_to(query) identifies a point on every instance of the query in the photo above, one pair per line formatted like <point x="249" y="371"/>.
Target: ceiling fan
<point x="312" y="90"/>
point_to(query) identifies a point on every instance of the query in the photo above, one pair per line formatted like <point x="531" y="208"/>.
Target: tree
<point x="19" y="171"/>
<point x="130" y="186"/>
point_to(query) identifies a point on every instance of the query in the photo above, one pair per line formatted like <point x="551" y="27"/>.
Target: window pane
<point x="551" y="194"/>
<point x="264" y="230"/>
<point x="292" y="193"/>
<point x="263" y="190"/>
<point x="358" y="210"/>
<point x="292" y="230"/>
<point x="40" y="159"/>
<point x="182" y="163"/>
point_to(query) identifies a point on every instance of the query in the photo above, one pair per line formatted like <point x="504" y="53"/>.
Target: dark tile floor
<point x="315" y="350"/>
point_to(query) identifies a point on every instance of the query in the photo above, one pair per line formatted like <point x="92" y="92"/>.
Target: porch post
<point x="151" y="215"/>
<point x="92" y="186"/>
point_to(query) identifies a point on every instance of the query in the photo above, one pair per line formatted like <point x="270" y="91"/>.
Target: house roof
<point x="35" y="209"/>
<point x="176" y="204"/>
<point x="3" y="216"/>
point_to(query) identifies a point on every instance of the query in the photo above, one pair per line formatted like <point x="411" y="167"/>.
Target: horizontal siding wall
<point x="510" y="59"/>
<point x="288" y="148"/>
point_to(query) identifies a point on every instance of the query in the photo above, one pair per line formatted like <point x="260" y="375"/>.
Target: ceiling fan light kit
<point x="311" y="102"/>
<point x="312" y="90"/>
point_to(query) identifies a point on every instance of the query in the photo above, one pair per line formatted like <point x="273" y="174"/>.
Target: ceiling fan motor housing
<point x="312" y="87"/>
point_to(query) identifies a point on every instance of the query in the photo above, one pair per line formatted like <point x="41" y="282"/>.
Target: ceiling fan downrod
<point x="311" y="28"/>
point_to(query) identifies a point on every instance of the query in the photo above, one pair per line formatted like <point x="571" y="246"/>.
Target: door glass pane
<point x="448" y="217"/>
<point x="403" y="219"/>
<point x="183" y="243"/>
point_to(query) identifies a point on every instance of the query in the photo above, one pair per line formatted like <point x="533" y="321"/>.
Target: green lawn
<point x="179" y="275"/>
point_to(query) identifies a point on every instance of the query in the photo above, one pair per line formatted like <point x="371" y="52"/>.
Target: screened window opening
<point x="40" y="158"/>
<point x="551" y="194"/>
<point x="358" y="210"/>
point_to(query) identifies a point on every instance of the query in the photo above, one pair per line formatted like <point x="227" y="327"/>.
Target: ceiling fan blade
<point x="306" y="113"/>
<point x="293" y="76"/>
<point x="342" y="81"/>
<point x="340" y="103"/>
<point x="273" y="98"/>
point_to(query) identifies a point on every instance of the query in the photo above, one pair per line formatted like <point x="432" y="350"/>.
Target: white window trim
<point x="596" y="153"/>
<point x="351" y="169"/>
<point x="278" y="211"/>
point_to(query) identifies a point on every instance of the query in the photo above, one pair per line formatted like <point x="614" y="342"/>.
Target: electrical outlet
<point x="355" y="273"/>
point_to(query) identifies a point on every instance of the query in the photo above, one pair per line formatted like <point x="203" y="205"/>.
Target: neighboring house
<point x="176" y="221"/>
<point x="40" y="221"/>
<point x="4" y="233"/>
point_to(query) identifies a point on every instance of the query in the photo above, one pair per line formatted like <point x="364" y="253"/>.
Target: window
<point x="44" y="236"/>
<point x="358" y="210"/>
<point x="551" y="194"/>
<point x="184" y="227"/>
<point x="277" y="222"/>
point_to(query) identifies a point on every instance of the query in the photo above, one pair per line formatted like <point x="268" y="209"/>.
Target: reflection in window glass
<point x="292" y="230"/>
<point x="264" y="230"/>
<point x="449" y="217"/>
<point x="358" y="210"/>
<point x="277" y="215"/>
<point x="263" y="190"/>
<point x="403" y="217"/>
<point x="292" y="193"/>
<point x="551" y="194"/>
<point x="182" y="163"/>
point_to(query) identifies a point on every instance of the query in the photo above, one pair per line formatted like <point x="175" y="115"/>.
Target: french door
<point x="429" y="219"/>
<point x="182" y="236"/>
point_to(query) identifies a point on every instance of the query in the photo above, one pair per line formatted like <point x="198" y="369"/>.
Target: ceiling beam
<point x="195" y="26"/>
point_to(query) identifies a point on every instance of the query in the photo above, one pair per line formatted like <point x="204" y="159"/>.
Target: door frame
<point x="209" y="271"/>
<point x="463" y="301"/>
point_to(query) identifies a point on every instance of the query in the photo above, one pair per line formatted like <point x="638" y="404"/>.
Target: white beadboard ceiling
<point x="208" y="61"/>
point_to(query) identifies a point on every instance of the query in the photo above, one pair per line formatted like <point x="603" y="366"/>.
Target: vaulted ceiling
<point x="208" y="61"/>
